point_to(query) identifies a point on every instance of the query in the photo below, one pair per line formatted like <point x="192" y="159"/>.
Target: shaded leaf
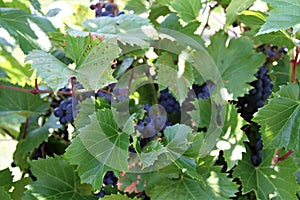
<point x="22" y="103"/>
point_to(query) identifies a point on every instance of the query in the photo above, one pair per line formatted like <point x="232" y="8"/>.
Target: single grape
<point x="58" y="112"/>
<point x="108" y="8"/>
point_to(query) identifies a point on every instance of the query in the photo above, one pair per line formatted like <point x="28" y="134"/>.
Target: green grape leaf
<point x="19" y="188"/>
<point x="280" y="182"/>
<point x="4" y="195"/>
<point x="187" y="188"/>
<point x="36" y="5"/>
<point x="255" y="19"/>
<point x="157" y="11"/>
<point x="6" y="179"/>
<point x="187" y="10"/>
<point x="57" y="179"/>
<point x="22" y="103"/>
<point x="151" y="153"/>
<point x="98" y="148"/>
<point x="180" y="78"/>
<point x="95" y="70"/>
<point x="89" y="168"/>
<point x="17" y="23"/>
<point x="76" y="47"/>
<point x="235" y="62"/>
<point x="234" y="8"/>
<point x="284" y="14"/>
<point x="52" y="71"/>
<point x="138" y="6"/>
<point x="280" y="119"/>
<point x="117" y="197"/>
<point x="127" y="28"/>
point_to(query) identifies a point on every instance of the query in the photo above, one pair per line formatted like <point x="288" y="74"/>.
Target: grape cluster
<point x="109" y="179"/>
<point x="255" y="142"/>
<point x="109" y="9"/>
<point x="168" y="101"/>
<point x="65" y="111"/>
<point x="106" y="92"/>
<point x="274" y="52"/>
<point x="249" y="103"/>
<point x="203" y="91"/>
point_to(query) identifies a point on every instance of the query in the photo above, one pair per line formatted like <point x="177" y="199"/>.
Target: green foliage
<point x="114" y="69"/>
<point x="17" y="23"/>
<point x="233" y="61"/>
<point x="280" y="119"/>
<point x="282" y="17"/>
<point x="279" y="181"/>
<point x="57" y="179"/>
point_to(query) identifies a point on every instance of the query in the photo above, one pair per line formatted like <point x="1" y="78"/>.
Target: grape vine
<point x="149" y="100"/>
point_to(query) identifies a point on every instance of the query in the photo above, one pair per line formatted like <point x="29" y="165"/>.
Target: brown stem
<point x="32" y="91"/>
<point x="286" y="155"/>
<point x="25" y="128"/>
<point x="295" y="63"/>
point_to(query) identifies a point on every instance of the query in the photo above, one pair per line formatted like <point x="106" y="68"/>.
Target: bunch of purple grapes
<point x="274" y="52"/>
<point x="106" y="9"/>
<point x="168" y="101"/>
<point x="249" y="103"/>
<point x="65" y="111"/>
<point x="109" y="179"/>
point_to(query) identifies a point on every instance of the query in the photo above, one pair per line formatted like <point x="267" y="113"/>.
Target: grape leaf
<point x="280" y="119"/>
<point x="127" y="28"/>
<point x="138" y="6"/>
<point x="10" y="124"/>
<point x="95" y="70"/>
<point x="52" y="71"/>
<point x="117" y="197"/>
<point x="76" y="47"/>
<point x="17" y="23"/>
<point x="99" y="147"/>
<point x="280" y="182"/>
<point x="255" y="19"/>
<point x="235" y="62"/>
<point x="234" y="8"/>
<point x="89" y="168"/>
<point x="22" y="103"/>
<point x="19" y="188"/>
<point x="187" y="10"/>
<point x="56" y="73"/>
<point x="187" y="188"/>
<point x="6" y="179"/>
<point x="283" y="15"/>
<point x="178" y="82"/>
<point x="57" y="179"/>
<point x="4" y="195"/>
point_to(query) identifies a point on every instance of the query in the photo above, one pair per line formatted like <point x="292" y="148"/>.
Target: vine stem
<point x="295" y="63"/>
<point x="32" y="91"/>
<point x="25" y="128"/>
<point x="276" y="158"/>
